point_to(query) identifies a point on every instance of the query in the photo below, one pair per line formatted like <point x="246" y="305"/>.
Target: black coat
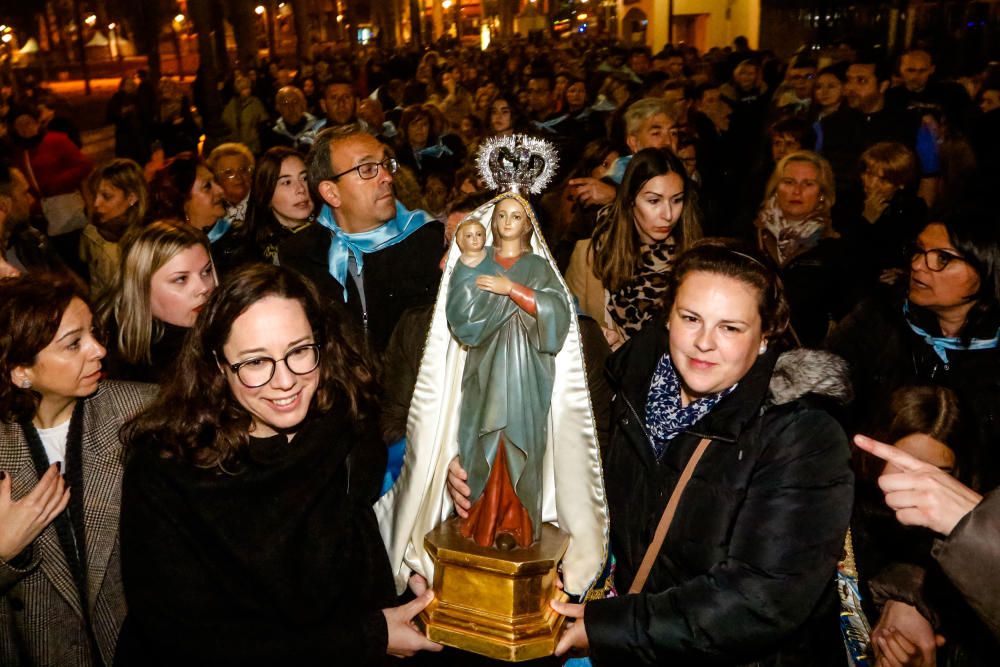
<point x="397" y="278"/>
<point x="278" y="561"/>
<point x="747" y="570"/>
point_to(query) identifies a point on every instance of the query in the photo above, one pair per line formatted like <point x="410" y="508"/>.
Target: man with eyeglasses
<point x="367" y="250"/>
<point x="795" y="95"/>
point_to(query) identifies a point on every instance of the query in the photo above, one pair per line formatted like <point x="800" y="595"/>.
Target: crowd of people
<point x="209" y="343"/>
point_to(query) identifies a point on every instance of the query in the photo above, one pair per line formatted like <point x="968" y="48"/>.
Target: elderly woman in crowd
<point x="185" y="189"/>
<point x="795" y="230"/>
<point x="166" y="277"/>
<point x="281" y="204"/>
<point x="120" y="201"/>
<point x="941" y="330"/>
<point x="61" y="600"/>
<point x="620" y="274"/>
<point x="271" y="418"/>
<point x="421" y="145"/>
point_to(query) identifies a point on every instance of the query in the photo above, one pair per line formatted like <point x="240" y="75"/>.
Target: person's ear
<point x="6" y="204"/>
<point x="20" y="376"/>
<point x="882" y="87"/>
<point x="633" y="143"/>
<point x="132" y="200"/>
<point x="330" y="192"/>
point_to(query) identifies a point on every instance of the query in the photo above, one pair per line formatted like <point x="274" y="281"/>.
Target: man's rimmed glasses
<point x="936" y="259"/>
<point x="233" y="174"/>
<point x="257" y="372"/>
<point x="369" y="170"/>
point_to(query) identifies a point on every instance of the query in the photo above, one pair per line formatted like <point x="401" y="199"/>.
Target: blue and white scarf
<point x="665" y="417"/>
<point x="941" y="344"/>
<point x="344" y="245"/>
<point x="219" y="229"/>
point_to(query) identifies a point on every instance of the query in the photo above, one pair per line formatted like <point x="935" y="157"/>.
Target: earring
<point x="25" y="383"/>
<point x="822" y="198"/>
<point x="763" y="348"/>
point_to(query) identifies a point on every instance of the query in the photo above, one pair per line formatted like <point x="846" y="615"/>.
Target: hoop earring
<point x="25" y="383"/>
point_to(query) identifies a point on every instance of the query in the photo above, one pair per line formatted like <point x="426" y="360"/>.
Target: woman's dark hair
<point x="730" y="258"/>
<point x="412" y="113"/>
<point x="593" y="155"/>
<point x="261" y="223"/>
<point x="976" y="237"/>
<point x="171" y="186"/>
<point x="616" y="246"/>
<point x="923" y="409"/>
<point x="31" y="309"/>
<point x="197" y="420"/>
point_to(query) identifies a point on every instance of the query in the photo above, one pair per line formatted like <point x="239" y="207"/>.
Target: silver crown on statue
<point x="517" y="163"/>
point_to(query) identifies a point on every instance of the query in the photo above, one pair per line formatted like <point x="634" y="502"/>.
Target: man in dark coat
<point x="367" y="250"/>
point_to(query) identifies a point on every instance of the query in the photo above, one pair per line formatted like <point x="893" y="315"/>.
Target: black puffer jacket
<point x="747" y="571"/>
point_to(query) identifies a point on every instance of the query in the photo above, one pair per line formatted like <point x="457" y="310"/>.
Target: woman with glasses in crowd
<point x="247" y="527"/>
<point x="942" y="331"/>
<point x="166" y="276"/>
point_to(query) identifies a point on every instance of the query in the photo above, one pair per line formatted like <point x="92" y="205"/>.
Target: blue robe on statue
<point x="508" y="375"/>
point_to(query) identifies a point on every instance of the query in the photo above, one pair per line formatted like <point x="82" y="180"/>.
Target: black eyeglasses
<point x="258" y="371"/>
<point x="935" y="258"/>
<point x="369" y="170"/>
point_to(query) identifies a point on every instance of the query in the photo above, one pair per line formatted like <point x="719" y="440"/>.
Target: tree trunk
<point x="303" y="38"/>
<point x="242" y="18"/>
<point x="211" y="100"/>
<point x="81" y="47"/>
<point x="219" y="33"/>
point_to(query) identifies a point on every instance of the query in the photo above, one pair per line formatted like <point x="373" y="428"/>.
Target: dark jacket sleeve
<point x="970" y="556"/>
<point x="783" y="555"/>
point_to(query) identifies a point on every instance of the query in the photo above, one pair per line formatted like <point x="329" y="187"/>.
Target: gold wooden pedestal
<point x="491" y="602"/>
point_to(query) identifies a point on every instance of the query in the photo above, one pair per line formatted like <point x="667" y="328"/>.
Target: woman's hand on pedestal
<point x="405" y="639"/>
<point x="574" y="637"/>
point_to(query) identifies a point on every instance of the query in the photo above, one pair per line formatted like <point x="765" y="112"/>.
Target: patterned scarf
<point x="665" y="417"/>
<point x="638" y="301"/>
<point x="792" y="238"/>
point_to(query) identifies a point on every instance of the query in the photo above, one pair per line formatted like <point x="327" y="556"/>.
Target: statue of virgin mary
<point x="502" y="382"/>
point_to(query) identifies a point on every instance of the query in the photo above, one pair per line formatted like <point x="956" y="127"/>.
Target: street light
<point x="258" y="10"/>
<point x="7" y="37"/>
<point x="91" y="20"/>
<point x="179" y="18"/>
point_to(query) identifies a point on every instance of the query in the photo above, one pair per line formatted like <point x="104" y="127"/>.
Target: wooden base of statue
<point x="492" y="602"/>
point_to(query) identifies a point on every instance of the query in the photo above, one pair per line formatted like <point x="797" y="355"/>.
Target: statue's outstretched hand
<point x="458" y="489"/>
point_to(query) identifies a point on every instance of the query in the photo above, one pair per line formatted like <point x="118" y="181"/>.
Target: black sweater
<point x="278" y="563"/>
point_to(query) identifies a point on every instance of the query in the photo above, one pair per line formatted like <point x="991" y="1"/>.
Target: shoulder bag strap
<point x="31" y="173"/>
<point x="668" y="516"/>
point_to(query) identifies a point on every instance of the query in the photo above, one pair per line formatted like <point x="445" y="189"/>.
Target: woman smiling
<point x="248" y="530"/>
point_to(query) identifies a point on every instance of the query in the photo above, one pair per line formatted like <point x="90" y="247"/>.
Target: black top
<point x="278" y="561"/>
<point x="396" y="278"/>
<point x="163" y="352"/>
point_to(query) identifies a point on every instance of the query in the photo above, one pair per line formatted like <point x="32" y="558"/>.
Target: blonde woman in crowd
<point x="166" y="277"/>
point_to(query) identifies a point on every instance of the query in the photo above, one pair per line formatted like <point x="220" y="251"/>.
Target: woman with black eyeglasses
<point x="943" y="331"/>
<point x="248" y="535"/>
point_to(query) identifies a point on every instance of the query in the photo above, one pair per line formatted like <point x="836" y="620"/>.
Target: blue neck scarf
<point x="617" y="172"/>
<point x="665" y="417"/>
<point x="435" y="151"/>
<point x="551" y="124"/>
<point x="344" y="245"/>
<point x="219" y="229"/>
<point x="941" y="344"/>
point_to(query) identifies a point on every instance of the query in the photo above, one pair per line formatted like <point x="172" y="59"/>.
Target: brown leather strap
<point x="668" y="516"/>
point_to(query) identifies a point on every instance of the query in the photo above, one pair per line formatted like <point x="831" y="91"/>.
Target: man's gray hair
<point x="642" y="110"/>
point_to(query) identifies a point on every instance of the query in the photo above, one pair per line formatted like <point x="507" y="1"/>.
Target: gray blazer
<point x="41" y="617"/>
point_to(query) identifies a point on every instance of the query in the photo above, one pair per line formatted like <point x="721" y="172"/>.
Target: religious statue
<point x="502" y="385"/>
<point x="513" y="314"/>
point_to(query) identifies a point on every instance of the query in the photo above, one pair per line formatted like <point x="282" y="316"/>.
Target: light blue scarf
<point x="551" y="124"/>
<point x="219" y="229"/>
<point x="941" y="344"/>
<point x="433" y="151"/>
<point x="344" y="245"/>
<point x="617" y="171"/>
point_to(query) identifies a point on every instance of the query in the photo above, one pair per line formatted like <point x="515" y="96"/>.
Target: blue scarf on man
<point x="344" y="245"/>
